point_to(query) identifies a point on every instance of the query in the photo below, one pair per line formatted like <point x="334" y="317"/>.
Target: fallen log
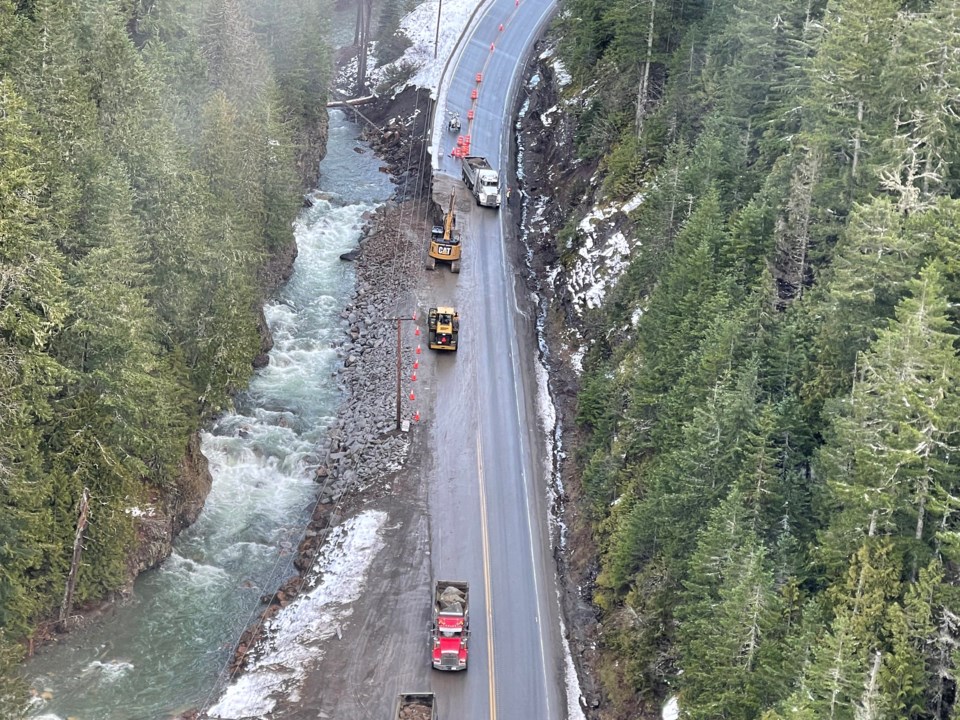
<point x="353" y="102"/>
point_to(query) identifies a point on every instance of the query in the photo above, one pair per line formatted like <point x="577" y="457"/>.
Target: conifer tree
<point x="849" y="107"/>
<point x="924" y="67"/>
<point x="731" y="607"/>
<point x="875" y="258"/>
<point x="678" y="315"/>
<point x="838" y="681"/>
<point x="235" y="60"/>
<point x="32" y="308"/>
<point x="892" y="444"/>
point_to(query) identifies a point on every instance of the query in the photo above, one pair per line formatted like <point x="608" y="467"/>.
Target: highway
<point x="485" y="406"/>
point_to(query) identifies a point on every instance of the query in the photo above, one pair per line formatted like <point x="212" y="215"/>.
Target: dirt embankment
<point x="398" y="130"/>
<point x="553" y="186"/>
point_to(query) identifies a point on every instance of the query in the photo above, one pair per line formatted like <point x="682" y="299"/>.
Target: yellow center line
<point x="486" y="583"/>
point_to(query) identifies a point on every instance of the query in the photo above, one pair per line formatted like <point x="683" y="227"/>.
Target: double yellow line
<point x="491" y="677"/>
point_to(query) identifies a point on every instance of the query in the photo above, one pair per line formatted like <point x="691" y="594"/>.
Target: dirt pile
<point x="414" y="711"/>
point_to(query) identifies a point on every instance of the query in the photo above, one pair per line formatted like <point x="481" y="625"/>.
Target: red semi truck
<point x="451" y="624"/>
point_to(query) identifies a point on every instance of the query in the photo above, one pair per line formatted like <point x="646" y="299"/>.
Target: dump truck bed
<point x="416" y="706"/>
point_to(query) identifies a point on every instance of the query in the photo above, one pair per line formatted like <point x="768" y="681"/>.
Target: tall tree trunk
<point x="643" y="92"/>
<point x="868" y="709"/>
<point x="359" y="25"/>
<point x="837" y="674"/>
<point x="857" y="142"/>
<point x="363" y="25"/>
<point x="922" y="493"/>
<point x="67" y="605"/>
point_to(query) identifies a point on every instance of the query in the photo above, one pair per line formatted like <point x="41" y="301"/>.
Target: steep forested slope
<point x="151" y="155"/>
<point x="771" y="392"/>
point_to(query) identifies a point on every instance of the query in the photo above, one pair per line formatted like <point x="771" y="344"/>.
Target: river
<point x="166" y="649"/>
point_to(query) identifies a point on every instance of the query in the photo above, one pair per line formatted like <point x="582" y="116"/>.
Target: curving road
<point x="488" y="495"/>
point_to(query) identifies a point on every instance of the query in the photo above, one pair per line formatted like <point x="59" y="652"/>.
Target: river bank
<point x="364" y="448"/>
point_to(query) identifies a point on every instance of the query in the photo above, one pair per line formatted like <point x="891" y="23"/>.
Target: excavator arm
<point x="449" y="220"/>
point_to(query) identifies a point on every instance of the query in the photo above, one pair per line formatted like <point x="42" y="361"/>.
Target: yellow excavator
<point x="445" y="241"/>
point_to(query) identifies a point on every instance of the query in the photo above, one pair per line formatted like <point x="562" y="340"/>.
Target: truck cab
<point x="451" y="625"/>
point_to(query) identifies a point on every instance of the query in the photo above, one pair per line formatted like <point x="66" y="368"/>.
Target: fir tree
<point x="891" y="447"/>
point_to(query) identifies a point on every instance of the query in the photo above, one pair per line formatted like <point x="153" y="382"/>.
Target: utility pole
<point x="436" y="40"/>
<point x="399" y="321"/>
<point x="67" y="605"/>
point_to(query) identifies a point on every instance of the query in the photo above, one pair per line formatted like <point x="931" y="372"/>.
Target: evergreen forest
<point x="152" y="155"/>
<point x="770" y="407"/>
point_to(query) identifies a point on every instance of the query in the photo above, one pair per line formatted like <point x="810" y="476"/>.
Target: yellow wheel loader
<point x="443" y="326"/>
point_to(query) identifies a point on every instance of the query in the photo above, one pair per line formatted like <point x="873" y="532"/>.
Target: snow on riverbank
<point x="293" y="638"/>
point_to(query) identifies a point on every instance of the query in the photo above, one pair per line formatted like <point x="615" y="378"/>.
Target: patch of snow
<point x="671" y="711"/>
<point x="293" y="638"/>
<point x="597" y="269"/>
<point x="574" y="711"/>
<point x="576" y="359"/>
<point x="428" y="52"/>
<point x="594" y="218"/>
<point x="545" y="408"/>
<point x="632" y="204"/>
<point x="545" y="116"/>
<point x="522" y="114"/>
<point x="598" y="264"/>
<point x="560" y="73"/>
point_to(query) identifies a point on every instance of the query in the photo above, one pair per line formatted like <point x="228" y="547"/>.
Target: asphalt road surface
<point x="488" y="493"/>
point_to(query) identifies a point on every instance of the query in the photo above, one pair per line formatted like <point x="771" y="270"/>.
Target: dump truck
<point x="451" y="624"/>
<point x="482" y="179"/>
<point x="416" y="706"/>
<point x="443" y="328"/>
<point x="445" y="241"/>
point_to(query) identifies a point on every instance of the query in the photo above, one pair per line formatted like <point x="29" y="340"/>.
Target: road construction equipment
<point x="445" y="241"/>
<point x="443" y="325"/>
